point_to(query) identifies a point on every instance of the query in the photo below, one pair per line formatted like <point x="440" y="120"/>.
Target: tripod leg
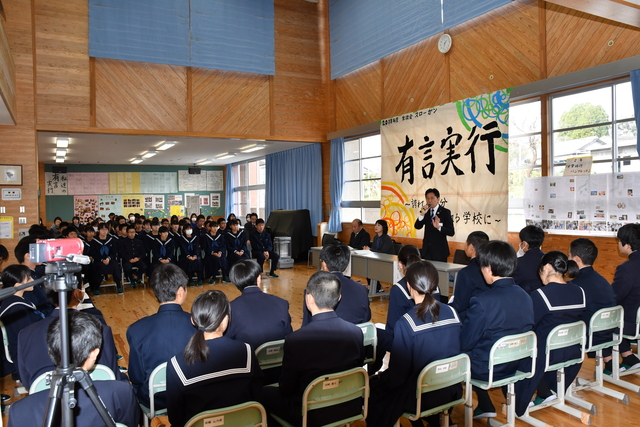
<point x="87" y="385"/>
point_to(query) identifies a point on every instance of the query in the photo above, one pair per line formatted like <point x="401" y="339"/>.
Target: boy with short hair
<point x="262" y="248"/>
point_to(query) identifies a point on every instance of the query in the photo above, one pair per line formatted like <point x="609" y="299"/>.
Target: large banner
<point x="459" y="148"/>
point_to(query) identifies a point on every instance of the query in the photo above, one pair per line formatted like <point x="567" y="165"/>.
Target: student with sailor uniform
<point x="555" y="303"/>
<point x="428" y="332"/>
<point x="164" y="250"/>
<point x="190" y="254"/>
<point x="215" y="254"/>
<point x="236" y="242"/>
<point x="105" y="259"/>
<point x="214" y="371"/>
<point x="400" y="300"/>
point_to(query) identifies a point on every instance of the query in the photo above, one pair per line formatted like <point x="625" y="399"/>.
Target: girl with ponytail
<point x="429" y="331"/>
<point x="213" y="371"/>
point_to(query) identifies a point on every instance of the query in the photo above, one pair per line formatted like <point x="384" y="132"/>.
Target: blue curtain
<point x="336" y="181"/>
<point x="228" y="194"/>
<point x="635" y="92"/>
<point x="294" y="181"/>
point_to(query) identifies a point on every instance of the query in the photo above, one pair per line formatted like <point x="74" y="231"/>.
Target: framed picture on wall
<point x="10" y="175"/>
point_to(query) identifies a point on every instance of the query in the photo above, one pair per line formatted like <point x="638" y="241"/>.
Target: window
<point x="362" y="178"/>
<point x="525" y="155"/>
<point x="596" y="122"/>
<point x="249" y="188"/>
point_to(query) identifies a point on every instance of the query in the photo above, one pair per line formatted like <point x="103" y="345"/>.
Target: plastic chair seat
<point x="518" y="376"/>
<point x="370" y="338"/>
<point x="249" y="414"/>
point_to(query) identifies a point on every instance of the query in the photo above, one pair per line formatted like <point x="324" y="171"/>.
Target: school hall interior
<point x="115" y="110"/>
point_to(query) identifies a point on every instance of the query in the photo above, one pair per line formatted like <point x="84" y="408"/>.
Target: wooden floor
<point x="122" y="310"/>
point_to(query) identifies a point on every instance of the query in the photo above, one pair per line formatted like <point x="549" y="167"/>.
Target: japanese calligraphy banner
<point x="459" y="148"/>
<point x="55" y="184"/>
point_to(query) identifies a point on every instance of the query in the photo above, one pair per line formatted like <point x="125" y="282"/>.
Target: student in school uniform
<point x="505" y="309"/>
<point x="222" y="224"/>
<point x="469" y="282"/>
<point x="199" y="229"/>
<point x="400" y="300"/>
<point x="262" y="248"/>
<point x="236" y="242"/>
<point x="174" y="229"/>
<point x="133" y="254"/>
<point x="214" y="371"/>
<point x="164" y="249"/>
<point x="414" y="346"/>
<point x="105" y="260"/>
<point x="190" y="254"/>
<point x="149" y="242"/>
<point x="554" y="304"/>
<point x="215" y="256"/>
<point x="529" y="253"/>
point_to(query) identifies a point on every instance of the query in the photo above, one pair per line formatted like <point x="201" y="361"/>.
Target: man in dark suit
<point x="469" y="282"/>
<point x="438" y="224"/>
<point x="526" y="275"/>
<point x="359" y="236"/>
<point x="354" y="303"/>
<point x="86" y="340"/>
<point x="326" y="345"/>
<point x="154" y="339"/>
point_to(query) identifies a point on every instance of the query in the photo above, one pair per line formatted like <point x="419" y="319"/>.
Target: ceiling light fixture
<point x="59" y="159"/>
<point x="252" y="147"/>
<point x="225" y="156"/>
<point x="204" y="162"/>
<point x="62" y="142"/>
<point x="166" y="145"/>
<point x="149" y="154"/>
<point x="61" y="152"/>
<point x="136" y="160"/>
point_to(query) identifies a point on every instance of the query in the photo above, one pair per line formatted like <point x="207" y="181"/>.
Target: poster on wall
<point x="215" y="200"/>
<point x="86" y="208"/>
<point x="124" y="182"/>
<point x="215" y="181"/>
<point x="174" y="200"/>
<point x="204" y="200"/>
<point x="55" y="184"/>
<point x="109" y="203"/>
<point x="158" y="182"/>
<point x="459" y="148"/>
<point x="133" y="203"/>
<point x="192" y="182"/>
<point x="88" y="183"/>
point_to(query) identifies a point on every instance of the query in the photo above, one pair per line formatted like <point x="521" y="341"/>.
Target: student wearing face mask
<point x="105" y="260"/>
<point x="529" y="256"/>
<point x="190" y="254"/>
<point x="236" y="242"/>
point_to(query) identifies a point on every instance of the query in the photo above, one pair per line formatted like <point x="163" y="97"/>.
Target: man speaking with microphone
<point x="438" y="224"/>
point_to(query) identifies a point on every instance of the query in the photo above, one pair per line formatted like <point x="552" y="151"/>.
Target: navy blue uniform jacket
<point x="230" y="376"/>
<point x="236" y="242"/>
<point x="154" y="340"/>
<point x="164" y="250"/>
<point x="32" y="351"/>
<point x="526" y="275"/>
<point x="400" y="302"/>
<point x="131" y="248"/>
<point x="257" y="317"/>
<point x="383" y="244"/>
<point x="469" y="283"/>
<point x="360" y="239"/>
<point x="17" y="313"/>
<point x="261" y="242"/>
<point x="116" y="395"/>
<point x="434" y="242"/>
<point x="627" y="289"/>
<point x="505" y="309"/>
<point x="212" y="244"/>
<point x="353" y="306"/>
<point x="103" y="249"/>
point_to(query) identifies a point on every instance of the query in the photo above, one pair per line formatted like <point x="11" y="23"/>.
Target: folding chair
<point x="249" y="414"/>
<point x="614" y="378"/>
<point x="436" y="376"/>
<point x="370" y="339"/>
<point x="5" y="342"/>
<point x="97" y="373"/>
<point x="562" y="336"/>
<point x="333" y="389"/>
<point x="157" y="384"/>
<point x="507" y="349"/>
<point x="602" y="320"/>
<point x="270" y="355"/>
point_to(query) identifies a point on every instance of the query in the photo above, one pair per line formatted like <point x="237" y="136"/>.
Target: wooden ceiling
<point x="623" y="11"/>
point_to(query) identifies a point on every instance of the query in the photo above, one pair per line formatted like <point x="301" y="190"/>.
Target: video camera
<point x="51" y="250"/>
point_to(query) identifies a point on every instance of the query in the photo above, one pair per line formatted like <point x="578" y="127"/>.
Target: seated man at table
<point x="354" y="303"/>
<point x="326" y="345"/>
<point x="359" y="236"/>
<point x="262" y="248"/>
<point x="86" y="341"/>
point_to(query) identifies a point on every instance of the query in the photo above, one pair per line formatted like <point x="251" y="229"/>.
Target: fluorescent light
<point x="166" y="145"/>
<point x="136" y="160"/>
<point x="149" y="154"/>
<point x="62" y="142"/>
<point x="204" y="162"/>
<point x="61" y="152"/>
<point x="225" y="156"/>
<point x="59" y="159"/>
<point x="252" y="147"/>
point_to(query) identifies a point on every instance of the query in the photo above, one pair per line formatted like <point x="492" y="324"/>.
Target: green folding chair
<point x="5" y="342"/>
<point x="333" y="389"/>
<point x="157" y="384"/>
<point x="436" y="376"/>
<point x="508" y="349"/>
<point x="562" y="336"/>
<point x="370" y="339"/>
<point x="97" y="373"/>
<point x="270" y="355"/>
<point x="615" y="376"/>
<point x="249" y="414"/>
<point x="602" y="320"/>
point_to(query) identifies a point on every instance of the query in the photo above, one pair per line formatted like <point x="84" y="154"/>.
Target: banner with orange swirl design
<point x="459" y="148"/>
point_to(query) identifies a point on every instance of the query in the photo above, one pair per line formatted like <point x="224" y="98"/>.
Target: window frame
<point x="361" y="204"/>
<point x="246" y="188"/>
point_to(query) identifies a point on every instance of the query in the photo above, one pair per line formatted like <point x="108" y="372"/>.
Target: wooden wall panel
<point x="137" y="95"/>
<point x="7" y="74"/>
<point x="496" y="50"/>
<point x="62" y="62"/>
<point x="414" y="78"/>
<point x="359" y="96"/>
<point x="576" y="40"/>
<point x="299" y="96"/>
<point x="228" y="102"/>
<point x="18" y="143"/>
